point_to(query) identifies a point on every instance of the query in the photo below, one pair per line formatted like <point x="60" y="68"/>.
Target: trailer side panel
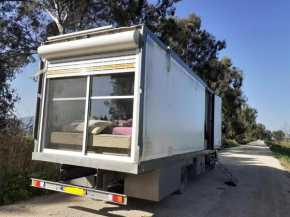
<point x="174" y="106"/>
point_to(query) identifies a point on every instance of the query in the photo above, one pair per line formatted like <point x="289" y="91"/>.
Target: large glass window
<point x="111" y="113"/>
<point x="65" y="112"/>
<point x="109" y="118"/>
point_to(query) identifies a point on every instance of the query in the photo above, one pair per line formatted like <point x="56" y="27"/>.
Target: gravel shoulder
<point x="263" y="190"/>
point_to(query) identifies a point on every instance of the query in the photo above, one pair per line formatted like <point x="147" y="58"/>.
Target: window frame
<point x="46" y="104"/>
<point x="87" y="98"/>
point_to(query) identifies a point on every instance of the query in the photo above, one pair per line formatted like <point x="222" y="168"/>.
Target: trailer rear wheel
<point x="184" y="179"/>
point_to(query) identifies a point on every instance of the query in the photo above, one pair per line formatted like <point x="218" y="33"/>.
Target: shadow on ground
<point x="263" y="190"/>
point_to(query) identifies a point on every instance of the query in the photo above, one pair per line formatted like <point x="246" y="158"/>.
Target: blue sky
<point x="258" y="41"/>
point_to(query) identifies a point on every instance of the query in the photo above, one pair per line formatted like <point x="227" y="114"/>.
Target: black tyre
<point x="184" y="180"/>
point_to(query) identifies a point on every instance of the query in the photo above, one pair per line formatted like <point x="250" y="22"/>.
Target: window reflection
<point x="67" y="87"/>
<point x="113" y="85"/>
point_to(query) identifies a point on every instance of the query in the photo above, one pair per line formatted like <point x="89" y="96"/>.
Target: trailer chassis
<point x="171" y="174"/>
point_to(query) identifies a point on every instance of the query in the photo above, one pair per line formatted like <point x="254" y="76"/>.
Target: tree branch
<point x="16" y="55"/>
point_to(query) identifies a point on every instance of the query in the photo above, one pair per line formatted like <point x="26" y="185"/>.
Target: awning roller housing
<point x="99" y="44"/>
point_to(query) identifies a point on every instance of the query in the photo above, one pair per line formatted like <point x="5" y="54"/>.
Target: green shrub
<point x="17" y="167"/>
<point x="229" y="143"/>
<point x="19" y="188"/>
<point x="244" y="142"/>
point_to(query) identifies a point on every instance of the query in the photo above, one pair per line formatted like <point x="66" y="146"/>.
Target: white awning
<point x="99" y="44"/>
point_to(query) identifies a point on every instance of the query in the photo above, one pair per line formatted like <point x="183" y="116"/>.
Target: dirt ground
<point x="263" y="190"/>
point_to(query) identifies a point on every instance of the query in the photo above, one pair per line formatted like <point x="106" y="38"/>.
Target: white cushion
<point x="94" y="126"/>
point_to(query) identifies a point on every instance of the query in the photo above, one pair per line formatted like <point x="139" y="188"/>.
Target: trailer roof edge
<point x="89" y="32"/>
<point x="80" y="32"/>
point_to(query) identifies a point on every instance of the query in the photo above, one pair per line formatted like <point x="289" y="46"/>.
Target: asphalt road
<point x="263" y="190"/>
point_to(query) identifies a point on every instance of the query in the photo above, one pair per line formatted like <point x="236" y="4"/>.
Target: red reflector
<point x="118" y="199"/>
<point x="38" y="183"/>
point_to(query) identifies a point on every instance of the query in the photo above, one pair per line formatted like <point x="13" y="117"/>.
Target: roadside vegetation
<point x="16" y="167"/>
<point x="281" y="151"/>
<point x="229" y="143"/>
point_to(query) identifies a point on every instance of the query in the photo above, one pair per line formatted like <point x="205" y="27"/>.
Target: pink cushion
<point x="123" y="130"/>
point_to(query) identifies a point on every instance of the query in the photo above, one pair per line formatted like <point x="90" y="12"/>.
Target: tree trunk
<point x="60" y="28"/>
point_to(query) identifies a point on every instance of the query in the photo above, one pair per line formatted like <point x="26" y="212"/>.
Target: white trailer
<point x="115" y="105"/>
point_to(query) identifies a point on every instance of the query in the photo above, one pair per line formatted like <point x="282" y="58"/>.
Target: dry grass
<point x="285" y="144"/>
<point x="281" y="152"/>
<point x="285" y="162"/>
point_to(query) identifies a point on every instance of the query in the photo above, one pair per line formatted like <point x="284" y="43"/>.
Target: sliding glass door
<point x="111" y="108"/>
<point x="65" y="112"/>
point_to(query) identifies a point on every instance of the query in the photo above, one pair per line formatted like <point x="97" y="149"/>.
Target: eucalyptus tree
<point x="21" y="34"/>
<point x="25" y="24"/>
<point x="278" y="135"/>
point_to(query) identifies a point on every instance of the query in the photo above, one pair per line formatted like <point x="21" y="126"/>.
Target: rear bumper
<point x="80" y="191"/>
<point x="86" y="161"/>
